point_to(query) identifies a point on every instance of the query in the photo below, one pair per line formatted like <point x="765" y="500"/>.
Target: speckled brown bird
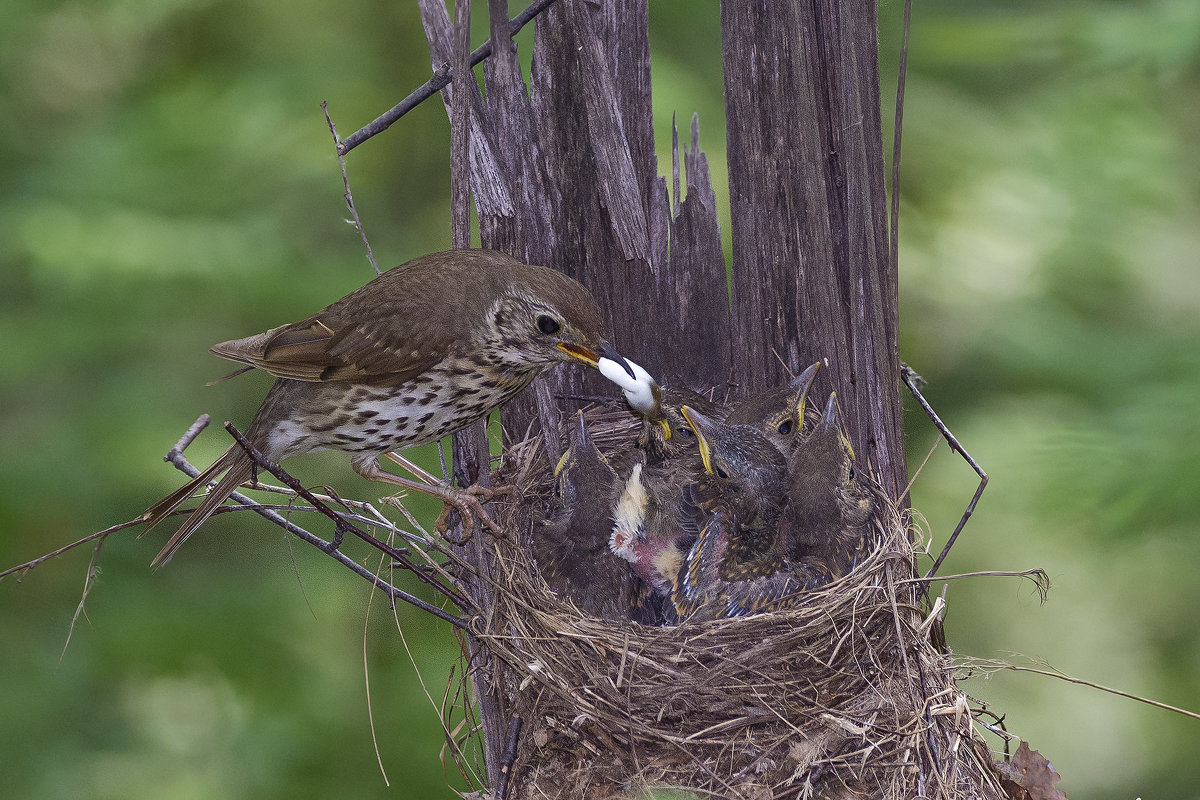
<point x="571" y="544"/>
<point x="423" y="350"/>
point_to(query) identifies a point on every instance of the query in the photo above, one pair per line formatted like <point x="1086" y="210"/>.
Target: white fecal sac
<point x="639" y="390"/>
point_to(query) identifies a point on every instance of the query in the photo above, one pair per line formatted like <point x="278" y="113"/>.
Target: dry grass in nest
<point x="843" y="696"/>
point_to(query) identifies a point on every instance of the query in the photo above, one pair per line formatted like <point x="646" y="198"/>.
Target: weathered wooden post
<point x="563" y="172"/>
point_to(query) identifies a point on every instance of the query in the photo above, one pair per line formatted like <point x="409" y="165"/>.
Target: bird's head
<point x="829" y="444"/>
<point x="583" y="471"/>
<point x="739" y="457"/>
<point x="777" y="413"/>
<point x="545" y="317"/>
<point x="642" y="392"/>
<point x="824" y="474"/>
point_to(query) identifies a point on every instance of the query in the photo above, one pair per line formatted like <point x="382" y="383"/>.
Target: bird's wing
<point x="699" y="573"/>
<point x="369" y="348"/>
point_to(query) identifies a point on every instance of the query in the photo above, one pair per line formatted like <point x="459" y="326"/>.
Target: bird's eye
<point x="785" y="427"/>
<point x="851" y="472"/>
<point x="721" y="473"/>
<point x="686" y="431"/>
<point x="548" y="325"/>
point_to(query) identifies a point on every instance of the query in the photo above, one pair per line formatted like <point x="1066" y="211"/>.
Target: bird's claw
<point x="468" y="503"/>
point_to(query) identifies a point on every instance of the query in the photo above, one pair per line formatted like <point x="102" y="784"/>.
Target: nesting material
<point x="843" y="696"/>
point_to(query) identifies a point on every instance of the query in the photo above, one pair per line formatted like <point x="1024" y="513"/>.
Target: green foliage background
<point x="168" y="182"/>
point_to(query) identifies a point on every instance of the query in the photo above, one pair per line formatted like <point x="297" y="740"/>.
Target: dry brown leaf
<point x="1029" y="775"/>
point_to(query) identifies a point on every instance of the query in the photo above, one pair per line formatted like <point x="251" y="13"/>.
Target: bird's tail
<point x="237" y="466"/>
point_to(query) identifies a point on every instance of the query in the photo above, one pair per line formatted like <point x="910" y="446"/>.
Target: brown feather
<point x="240" y="467"/>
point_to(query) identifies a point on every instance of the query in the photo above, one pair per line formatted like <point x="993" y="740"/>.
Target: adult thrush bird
<point x="734" y="568"/>
<point x="826" y="521"/>
<point x="571" y="544"/>
<point x="421" y="351"/>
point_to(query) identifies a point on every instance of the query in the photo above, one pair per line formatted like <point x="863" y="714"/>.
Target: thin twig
<point x="993" y="666"/>
<point x="341" y="526"/>
<point x="510" y="756"/>
<point x="440" y="80"/>
<point x="898" y="129"/>
<point x="346" y="182"/>
<point x="1038" y="576"/>
<point x="176" y="458"/>
<point x="189" y="436"/>
<point x="88" y="582"/>
<point x="37" y="562"/>
<point x="911" y="379"/>
<point x="367" y="677"/>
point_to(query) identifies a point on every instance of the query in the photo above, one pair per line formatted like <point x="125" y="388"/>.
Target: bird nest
<point x="841" y="696"/>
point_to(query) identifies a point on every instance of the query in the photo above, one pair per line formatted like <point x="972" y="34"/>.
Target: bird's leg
<point x="466" y="502"/>
<point x="412" y="468"/>
<point x="475" y="495"/>
<point x="483" y="493"/>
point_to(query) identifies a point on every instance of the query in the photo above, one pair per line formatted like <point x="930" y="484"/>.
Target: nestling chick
<point x="571" y="544"/>
<point x="777" y="413"/>
<point x="829" y="509"/>
<point x="734" y="567"/>
<point x="658" y="407"/>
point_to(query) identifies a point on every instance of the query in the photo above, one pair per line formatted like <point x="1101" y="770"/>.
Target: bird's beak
<point x="802" y="383"/>
<point x="610" y="352"/>
<point x="699" y="424"/>
<point x="562" y="463"/>
<point x="656" y="393"/>
<point x="592" y="357"/>
<point x="579" y="436"/>
<point x="829" y="417"/>
<point x="831" y="422"/>
<point x="577" y="440"/>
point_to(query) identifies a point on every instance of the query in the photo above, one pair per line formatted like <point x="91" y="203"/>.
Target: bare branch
<point x="440" y="80"/>
<point x="912" y="379"/>
<point x="346" y="182"/>
<point x="990" y="666"/>
<point x="341" y="526"/>
<point x="37" y="562"/>
<point x="510" y="756"/>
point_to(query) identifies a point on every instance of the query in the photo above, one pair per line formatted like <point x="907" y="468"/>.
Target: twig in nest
<point x="440" y="80"/>
<point x="346" y="182"/>
<point x="1037" y="576"/>
<point x="911" y="379"/>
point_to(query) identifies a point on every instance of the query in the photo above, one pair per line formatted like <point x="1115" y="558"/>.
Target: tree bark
<point x="812" y="274"/>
